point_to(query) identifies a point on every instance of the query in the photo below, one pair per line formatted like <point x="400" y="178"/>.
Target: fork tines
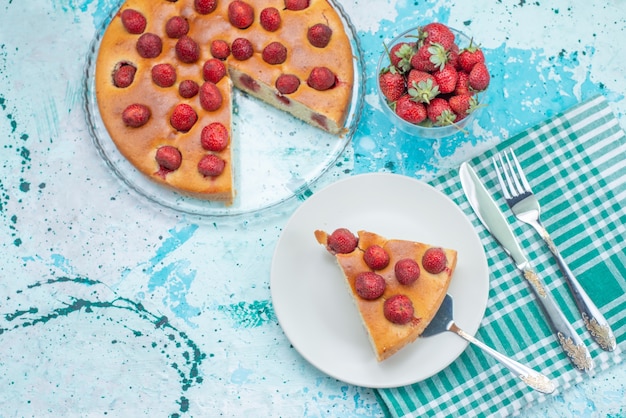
<point x="512" y="179"/>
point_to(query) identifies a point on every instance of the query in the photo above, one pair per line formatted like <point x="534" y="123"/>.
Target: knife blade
<point x="494" y="221"/>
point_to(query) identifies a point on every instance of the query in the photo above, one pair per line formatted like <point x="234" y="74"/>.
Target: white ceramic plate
<point x="310" y="298"/>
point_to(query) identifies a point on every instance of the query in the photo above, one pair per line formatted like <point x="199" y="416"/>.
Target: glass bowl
<point x="425" y="129"/>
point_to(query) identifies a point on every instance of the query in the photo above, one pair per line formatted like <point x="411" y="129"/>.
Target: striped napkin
<point x="576" y="165"/>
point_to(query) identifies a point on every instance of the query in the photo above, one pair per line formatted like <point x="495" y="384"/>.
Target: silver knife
<point x="493" y="219"/>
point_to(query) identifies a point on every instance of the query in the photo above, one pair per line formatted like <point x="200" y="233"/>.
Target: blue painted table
<point x="112" y="306"/>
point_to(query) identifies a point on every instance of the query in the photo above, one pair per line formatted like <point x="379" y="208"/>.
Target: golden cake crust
<point x="139" y="145"/>
<point x="426" y="294"/>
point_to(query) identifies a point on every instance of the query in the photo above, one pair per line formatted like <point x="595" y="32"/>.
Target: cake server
<point x="443" y="321"/>
<point x="493" y="219"/>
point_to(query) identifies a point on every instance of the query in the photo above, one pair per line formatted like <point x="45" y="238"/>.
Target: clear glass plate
<point x="276" y="156"/>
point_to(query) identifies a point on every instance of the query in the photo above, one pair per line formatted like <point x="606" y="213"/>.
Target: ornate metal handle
<point x="595" y="322"/>
<point x="568" y="338"/>
<point x="529" y="376"/>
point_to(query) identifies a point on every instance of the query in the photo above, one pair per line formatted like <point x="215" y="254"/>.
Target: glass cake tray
<point x="276" y="156"/>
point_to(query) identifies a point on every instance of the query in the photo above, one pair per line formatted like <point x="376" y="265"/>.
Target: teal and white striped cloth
<point x="576" y="164"/>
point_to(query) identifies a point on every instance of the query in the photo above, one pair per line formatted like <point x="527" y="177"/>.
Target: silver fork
<point x="525" y="206"/>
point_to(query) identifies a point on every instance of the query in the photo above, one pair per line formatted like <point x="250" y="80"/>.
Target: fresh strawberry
<point x="376" y="257"/>
<point x="462" y="84"/>
<point x="149" y="45"/>
<point x="479" y="77"/>
<point x="213" y="70"/>
<point x="321" y="78"/>
<point x="440" y="113"/>
<point x="369" y="285"/>
<point x="446" y="78"/>
<point x="240" y="14"/>
<point x="422" y="86"/>
<point x="168" y="157"/>
<point x="391" y="84"/>
<point x="188" y="89"/>
<point x="274" y="53"/>
<point x="437" y="33"/>
<point x="164" y="75"/>
<point x="319" y="35"/>
<point x="296" y="4"/>
<point x="287" y="83"/>
<point x="270" y="19"/>
<point x="434" y="260"/>
<point x="398" y="309"/>
<point x="183" y="117"/>
<point x="341" y="241"/>
<point x="133" y="21"/>
<point x="214" y="137"/>
<point x="136" y="115"/>
<point x="124" y="75"/>
<point x="463" y="104"/>
<point x="220" y="49"/>
<point x="205" y="6"/>
<point x="407" y="271"/>
<point x="470" y="56"/>
<point x="210" y="97"/>
<point x="400" y="56"/>
<point x="410" y="110"/>
<point x="241" y="49"/>
<point x="429" y="57"/>
<point x="187" y="50"/>
<point x="211" y="165"/>
<point x="453" y="56"/>
<point x="176" y="27"/>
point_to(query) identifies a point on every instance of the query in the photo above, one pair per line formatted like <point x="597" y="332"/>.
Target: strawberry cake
<point x="165" y="70"/>
<point x="397" y="285"/>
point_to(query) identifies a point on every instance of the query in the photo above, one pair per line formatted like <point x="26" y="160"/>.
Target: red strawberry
<point x="463" y="105"/>
<point x="187" y="50"/>
<point x="213" y="70"/>
<point x="164" y="75"/>
<point x="149" y="45"/>
<point x="407" y="271"/>
<point x="400" y="56"/>
<point x="429" y="57"/>
<point x="211" y="165"/>
<point x="453" y="56"/>
<point x="287" y="83"/>
<point x="319" y="35"/>
<point x="188" y="89"/>
<point x="391" y="84"/>
<point x="205" y="6"/>
<point x="124" y="75"/>
<point x="470" y="56"/>
<point x="136" y="115"/>
<point x="240" y="14"/>
<point x="321" y="78"/>
<point x="296" y="4"/>
<point x="422" y="86"/>
<point x="398" y="309"/>
<point x="183" y="117"/>
<point x="437" y="33"/>
<point x="341" y="241"/>
<point x="462" y="84"/>
<point x="176" y="27"/>
<point x="479" y="77"/>
<point x="210" y="97"/>
<point x="214" y="137"/>
<point x="446" y="78"/>
<point x="376" y="257"/>
<point x="241" y="49"/>
<point x="168" y="157"/>
<point x="440" y="113"/>
<point x="369" y="285"/>
<point x="220" y="49"/>
<point x="133" y="21"/>
<point x="410" y="110"/>
<point x="274" y="53"/>
<point x="270" y="19"/>
<point x="434" y="260"/>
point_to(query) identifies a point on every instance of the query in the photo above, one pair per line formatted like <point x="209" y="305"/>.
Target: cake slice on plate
<point x="397" y="285"/>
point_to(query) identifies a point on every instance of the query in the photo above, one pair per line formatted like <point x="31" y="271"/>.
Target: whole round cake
<point x="166" y="68"/>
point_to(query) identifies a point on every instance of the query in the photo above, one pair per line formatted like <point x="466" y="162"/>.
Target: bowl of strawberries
<point x="432" y="80"/>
